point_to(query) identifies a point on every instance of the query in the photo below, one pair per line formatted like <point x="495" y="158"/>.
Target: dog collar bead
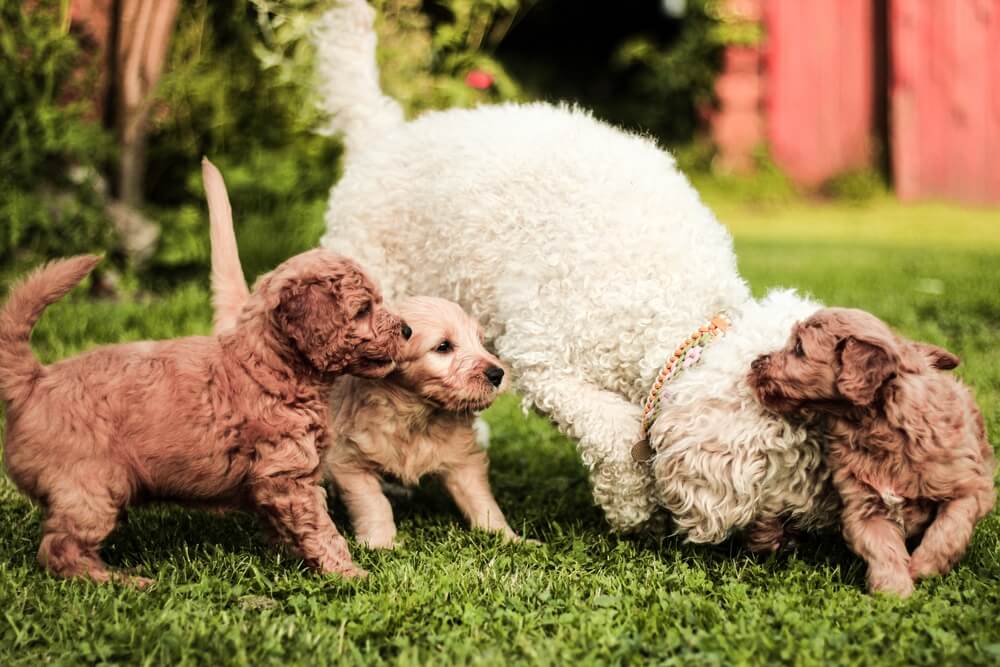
<point x="686" y="355"/>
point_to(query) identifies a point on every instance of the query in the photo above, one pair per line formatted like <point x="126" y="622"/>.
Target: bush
<point x="237" y="89"/>
<point x="857" y="186"/>
<point x="51" y="151"/>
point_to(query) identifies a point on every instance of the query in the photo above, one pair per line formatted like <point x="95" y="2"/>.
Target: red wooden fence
<point x="945" y="98"/>
<point x="820" y="92"/>
<point x="819" y="69"/>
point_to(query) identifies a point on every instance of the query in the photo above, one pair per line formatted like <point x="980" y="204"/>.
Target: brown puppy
<point x="415" y="422"/>
<point x="908" y="448"/>
<point x="236" y="420"/>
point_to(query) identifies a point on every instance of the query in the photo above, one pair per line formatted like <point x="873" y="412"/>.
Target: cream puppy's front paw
<point x="891" y="581"/>
<point x="379" y="537"/>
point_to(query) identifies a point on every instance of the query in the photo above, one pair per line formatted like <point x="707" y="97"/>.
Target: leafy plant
<point x="237" y="89"/>
<point x="50" y="148"/>
<point x="670" y="83"/>
<point x="426" y="49"/>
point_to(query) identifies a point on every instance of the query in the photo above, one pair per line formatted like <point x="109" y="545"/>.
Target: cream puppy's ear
<point x="229" y="287"/>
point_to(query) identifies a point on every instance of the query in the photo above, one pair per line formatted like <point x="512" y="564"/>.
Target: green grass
<point x="451" y="596"/>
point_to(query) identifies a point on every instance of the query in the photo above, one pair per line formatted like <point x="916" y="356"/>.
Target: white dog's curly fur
<point x="588" y="257"/>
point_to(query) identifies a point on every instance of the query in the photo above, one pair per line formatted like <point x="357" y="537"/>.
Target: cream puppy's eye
<point x="799" y="351"/>
<point x="363" y="311"/>
<point x="444" y="347"/>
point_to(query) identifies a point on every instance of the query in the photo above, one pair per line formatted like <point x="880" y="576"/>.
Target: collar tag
<point x="642" y="451"/>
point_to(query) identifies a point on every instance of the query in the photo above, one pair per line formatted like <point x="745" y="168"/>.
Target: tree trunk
<point x="144" y="28"/>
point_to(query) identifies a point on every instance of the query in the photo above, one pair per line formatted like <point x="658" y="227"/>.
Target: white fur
<point x="588" y="257"/>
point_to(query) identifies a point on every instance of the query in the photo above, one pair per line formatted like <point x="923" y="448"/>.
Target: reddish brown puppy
<point x="235" y="420"/>
<point x="908" y="448"/>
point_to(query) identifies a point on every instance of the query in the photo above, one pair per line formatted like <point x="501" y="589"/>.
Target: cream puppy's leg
<point x="468" y="483"/>
<point x="369" y="509"/>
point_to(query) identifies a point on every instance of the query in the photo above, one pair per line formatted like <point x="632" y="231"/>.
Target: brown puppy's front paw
<point x="923" y="566"/>
<point x="893" y="582"/>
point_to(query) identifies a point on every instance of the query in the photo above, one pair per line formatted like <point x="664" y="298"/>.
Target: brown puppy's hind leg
<point x="76" y="524"/>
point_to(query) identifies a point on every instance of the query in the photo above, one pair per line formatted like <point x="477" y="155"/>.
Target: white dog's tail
<point x="229" y="287"/>
<point x="347" y="75"/>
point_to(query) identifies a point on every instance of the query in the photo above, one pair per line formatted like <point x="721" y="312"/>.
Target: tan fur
<point x="234" y="420"/>
<point x="908" y="447"/>
<point x="415" y="422"/>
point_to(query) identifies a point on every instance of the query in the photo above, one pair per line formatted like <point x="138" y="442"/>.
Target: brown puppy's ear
<point x="308" y="314"/>
<point x="938" y="357"/>
<point x="865" y="365"/>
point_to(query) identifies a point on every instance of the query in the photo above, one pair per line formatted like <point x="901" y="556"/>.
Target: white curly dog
<point x="589" y="258"/>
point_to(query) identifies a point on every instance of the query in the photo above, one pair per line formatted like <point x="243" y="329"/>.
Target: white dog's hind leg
<point x="606" y="427"/>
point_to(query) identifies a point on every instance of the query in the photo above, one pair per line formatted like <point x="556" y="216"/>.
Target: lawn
<point x="452" y="596"/>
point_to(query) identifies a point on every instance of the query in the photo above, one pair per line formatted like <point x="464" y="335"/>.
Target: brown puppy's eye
<point x="799" y="351"/>
<point x="363" y="311"/>
<point x="444" y="347"/>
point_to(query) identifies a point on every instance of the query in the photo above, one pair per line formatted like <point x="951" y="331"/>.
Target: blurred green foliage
<point x="671" y="83"/>
<point x="51" y="150"/>
<point x="238" y="89"/>
<point x="634" y="63"/>
<point x="857" y="186"/>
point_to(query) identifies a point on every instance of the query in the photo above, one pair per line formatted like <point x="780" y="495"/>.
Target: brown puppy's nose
<point x="495" y="375"/>
<point x="760" y="363"/>
<point x="406" y="331"/>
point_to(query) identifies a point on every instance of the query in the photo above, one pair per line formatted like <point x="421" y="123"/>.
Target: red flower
<point x="479" y="79"/>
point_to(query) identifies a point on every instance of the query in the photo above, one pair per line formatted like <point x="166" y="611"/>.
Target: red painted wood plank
<point x="819" y="90"/>
<point x="945" y="99"/>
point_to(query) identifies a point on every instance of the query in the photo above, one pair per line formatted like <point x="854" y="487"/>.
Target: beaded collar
<point x="686" y="355"/>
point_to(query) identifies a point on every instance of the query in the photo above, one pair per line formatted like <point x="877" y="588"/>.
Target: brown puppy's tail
<point x="28" y="299"/>
<point x="229" y="287"/>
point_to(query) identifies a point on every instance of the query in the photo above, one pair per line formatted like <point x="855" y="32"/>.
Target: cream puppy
<point x="419" y="421"/>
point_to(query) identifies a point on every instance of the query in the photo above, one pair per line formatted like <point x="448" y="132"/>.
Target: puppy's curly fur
<point x="588" y="257"/>
<point x="416" y="421"/>
<point x="236" y="420"/>
<point x="908" y="447"/>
